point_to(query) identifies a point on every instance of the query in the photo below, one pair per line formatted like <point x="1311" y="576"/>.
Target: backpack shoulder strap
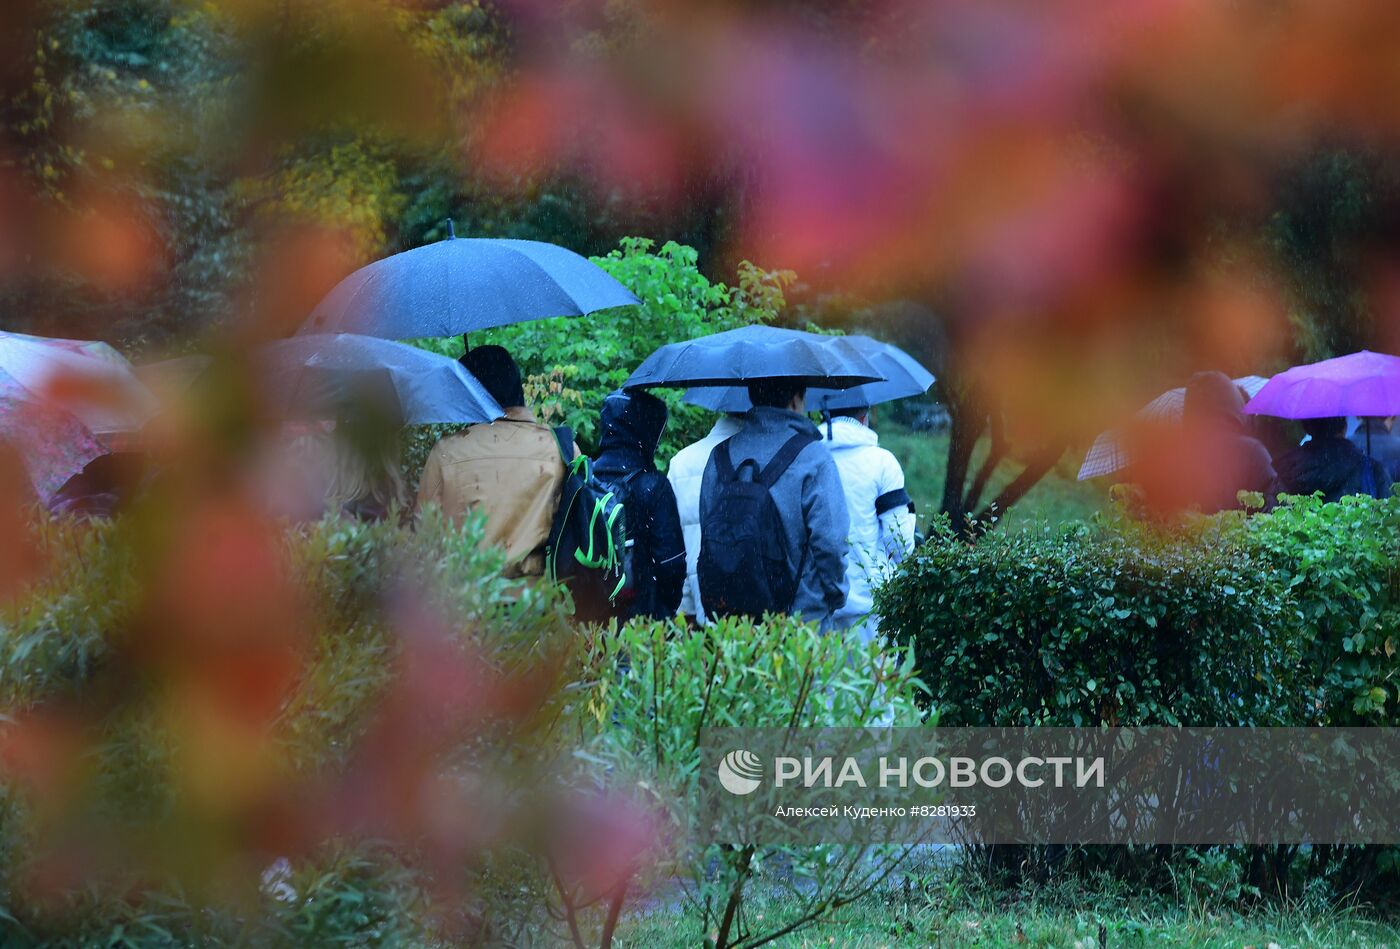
<point x="786" y="455"/>
<point x="724" y="465"/>
<point x="565" y="437"/>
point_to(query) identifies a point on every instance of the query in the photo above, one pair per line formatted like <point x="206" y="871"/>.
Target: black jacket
<point x="1333" y="466"/>
<point x="1384" y="445"/>
<point x="631" y="426"/>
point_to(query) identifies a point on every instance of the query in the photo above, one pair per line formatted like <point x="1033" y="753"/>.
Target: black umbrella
<point x="751" y="353"/>
<point x="904" y="378"/>
<point x="323" y="376"/>
<point x="458" y="286"/>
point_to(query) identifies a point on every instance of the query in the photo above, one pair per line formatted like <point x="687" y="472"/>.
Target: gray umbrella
<point x="320" y="376"/>
<point x="459" y="286"/>
<point x="751" y="353"/>
<point x="904" y="378"/>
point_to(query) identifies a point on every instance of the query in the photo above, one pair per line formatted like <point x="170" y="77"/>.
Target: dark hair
<point x="1332" y="427"/>
<point x="854" y="412"/>
<point x="775" y="393"/>
<point x="498" y="374"/>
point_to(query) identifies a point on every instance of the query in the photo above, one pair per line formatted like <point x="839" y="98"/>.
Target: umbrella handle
<point x="452" y="236"/>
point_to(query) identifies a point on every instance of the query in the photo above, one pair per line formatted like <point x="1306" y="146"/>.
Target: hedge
<point x="1085" y="626"/>
<point x="1287" y="618"/>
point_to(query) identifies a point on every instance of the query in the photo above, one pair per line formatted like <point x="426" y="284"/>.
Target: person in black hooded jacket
<point x="631" y="426"/>
<point x="1329" y="463"/>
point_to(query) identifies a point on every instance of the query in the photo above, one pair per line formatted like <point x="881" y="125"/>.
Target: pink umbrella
<point x="1363" y="383"/>
<point x="54" y="445"/>
<point x="116" y="402"/>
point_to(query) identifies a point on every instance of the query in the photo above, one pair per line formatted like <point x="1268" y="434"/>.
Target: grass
<point x="1057" y="499"/>
<point x="1059" y="919"/>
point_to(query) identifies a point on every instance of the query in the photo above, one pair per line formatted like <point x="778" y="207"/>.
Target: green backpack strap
<point x="592" y="558"/>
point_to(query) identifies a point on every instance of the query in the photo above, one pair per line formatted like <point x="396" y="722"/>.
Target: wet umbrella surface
<point x="756" y="352"/>
<point x="462" y="285"/>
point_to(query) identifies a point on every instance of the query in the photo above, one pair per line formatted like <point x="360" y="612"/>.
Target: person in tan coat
<point x="510" y="469"/>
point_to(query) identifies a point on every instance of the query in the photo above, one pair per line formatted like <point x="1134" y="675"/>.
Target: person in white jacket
<point x="882" y="515"/>
<point x="685" y="472"/>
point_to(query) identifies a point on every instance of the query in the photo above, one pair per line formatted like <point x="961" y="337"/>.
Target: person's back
<point x="880" y="511"/>
<point x="1383" y="443"/>
<point x="685" y="473"/>
<point x="630" y="428"/>
<point x="509" y="470"/>
<point x="808" y="497"/>
<point x="1329" y="463"/>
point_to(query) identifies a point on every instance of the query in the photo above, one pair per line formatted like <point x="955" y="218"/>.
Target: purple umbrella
<point x="1363" y="383"/>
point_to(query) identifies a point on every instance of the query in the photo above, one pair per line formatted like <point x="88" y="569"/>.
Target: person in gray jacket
<point x="807" y="495"/>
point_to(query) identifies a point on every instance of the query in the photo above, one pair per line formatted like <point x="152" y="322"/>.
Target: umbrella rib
<point x="549" y="278"/>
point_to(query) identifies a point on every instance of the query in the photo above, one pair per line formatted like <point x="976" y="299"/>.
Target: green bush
<point x="652" y="687"/>
<point x="1083" y="626"/>
<point x="361" y="896"/>
<point x="1289" y="618"/>
<point x="51" y="640"/>
<point x="1340" y="564"/>
<point x="63" y="649"/>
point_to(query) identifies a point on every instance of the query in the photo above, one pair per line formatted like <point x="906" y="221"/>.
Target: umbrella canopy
<point x="103" y="394"/>
<point x="53" y="444"/>
<point x="83" y="347"/>
<point x="320" y="376"/>
<point x="904" y="378"/>
<point x="1363" y="383"/>
<point x="751" y="353"/>
<point x="461" y="285"/>
<point x="1108" y="455"/>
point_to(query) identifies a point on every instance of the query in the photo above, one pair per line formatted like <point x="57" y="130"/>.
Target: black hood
<point x="630" y="425"/>
<point x="1330" y="465"/>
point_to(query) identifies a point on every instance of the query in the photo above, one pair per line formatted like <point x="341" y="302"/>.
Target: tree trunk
<point x="971" y="420"/>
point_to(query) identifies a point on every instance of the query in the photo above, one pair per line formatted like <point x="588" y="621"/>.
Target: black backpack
<point x="743" y="567"/>
<point x="587" y="546"/>
<point x="625" y="602"/>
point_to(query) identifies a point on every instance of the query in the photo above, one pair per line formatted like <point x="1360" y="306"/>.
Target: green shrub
<point x="62" y="647"/>
<point x="1083" y="626"/>
<point x="1286" y="618"/>
<point x="51" y="639"/>
<point x="361" y="896"/>
<point x="652" y="687"/>
<point x="1340" y="564"/>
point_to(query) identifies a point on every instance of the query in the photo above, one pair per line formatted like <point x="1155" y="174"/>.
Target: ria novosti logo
<point x="740" y="772"/>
